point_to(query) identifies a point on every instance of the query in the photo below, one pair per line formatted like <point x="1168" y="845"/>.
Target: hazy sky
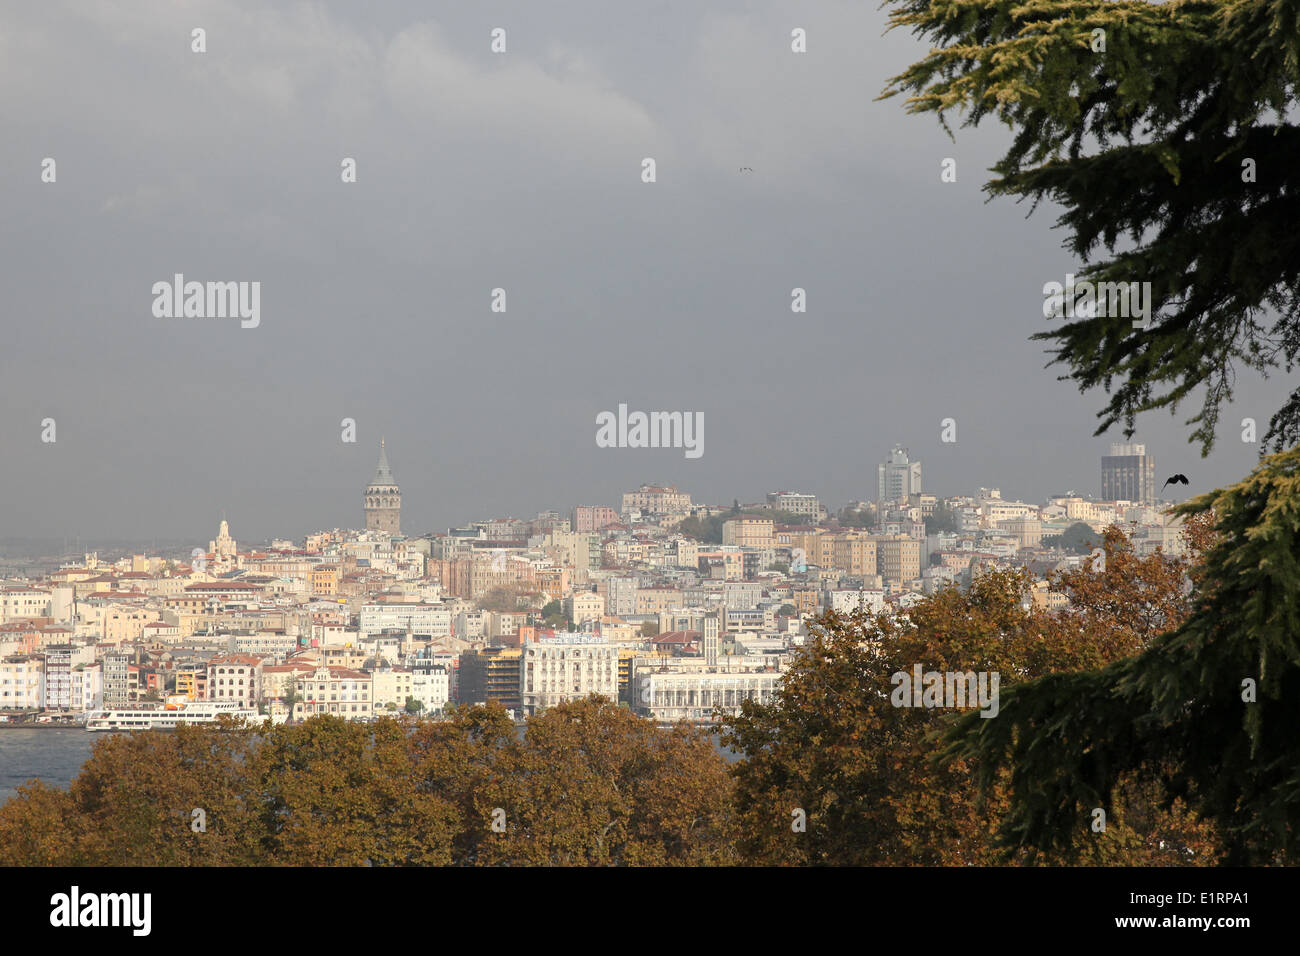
<point x="521" y="171"/>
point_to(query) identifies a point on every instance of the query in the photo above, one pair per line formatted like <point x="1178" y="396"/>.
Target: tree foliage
<point x="1205" y="714"/>
<point x="867" y="773"/>
<point x="709" y="529"/>
<point x="1144" y="145"/>
<point x="941" y="520"/>
<point x="1079" y="538"/>
<point x="586" y="783"/>
<point x="506" y="597"/>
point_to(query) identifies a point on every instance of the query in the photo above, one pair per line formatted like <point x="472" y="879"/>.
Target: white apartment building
<point x="620" y="596"/>
<point x="468" y="625"/>
<point x="564" y="668"/>
<point x="237" y="677"/>
<point x="391" y="687"/>
<point x="19" y="601"/>
<point x="420" y="618"/>
<point x="429" y="684"/>
<point x="22" y="683"/>
<point x="584" y="606"/>
<point x="995" y="510"/>
<point x="794" y="502"/>
<point x="340" y="691"/>
<point x="848" y="600"/>
<point x="691" y="693"/>
<point x="741" y="595"/>
<point x="87" y="689"/>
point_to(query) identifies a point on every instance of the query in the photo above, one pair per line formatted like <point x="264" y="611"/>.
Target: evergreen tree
<point x="1162" y="129"/>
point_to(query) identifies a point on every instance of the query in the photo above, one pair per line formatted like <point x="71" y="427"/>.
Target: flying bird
<point x="746" y="169"/>
<point x="1175" y="479"/>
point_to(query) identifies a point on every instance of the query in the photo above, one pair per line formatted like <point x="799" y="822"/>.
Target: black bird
<point x="746" y="169"/>
<point x="1176" y="479"/>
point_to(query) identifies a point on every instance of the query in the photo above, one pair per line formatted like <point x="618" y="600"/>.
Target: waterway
<point x="56" y="755"/>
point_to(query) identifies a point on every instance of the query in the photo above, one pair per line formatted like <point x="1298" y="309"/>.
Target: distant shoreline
<point x="49" y="725"/>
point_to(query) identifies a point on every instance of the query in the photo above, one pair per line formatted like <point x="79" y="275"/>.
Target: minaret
<point x="383" y="498"/>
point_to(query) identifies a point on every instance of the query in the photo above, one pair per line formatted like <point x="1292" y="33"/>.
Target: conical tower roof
<point x="383" y="474"/>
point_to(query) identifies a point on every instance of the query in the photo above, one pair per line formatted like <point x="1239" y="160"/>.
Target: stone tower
<point x="383" y="498"/>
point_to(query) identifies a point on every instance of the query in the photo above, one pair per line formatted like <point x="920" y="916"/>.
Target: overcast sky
<point x="521" y="171"/>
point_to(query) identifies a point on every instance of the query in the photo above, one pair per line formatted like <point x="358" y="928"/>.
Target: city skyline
<point x="383" y="515"/>
<point x="375" y="297"/>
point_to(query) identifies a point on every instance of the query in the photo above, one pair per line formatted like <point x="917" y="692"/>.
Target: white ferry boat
<point x="189" y="712"/>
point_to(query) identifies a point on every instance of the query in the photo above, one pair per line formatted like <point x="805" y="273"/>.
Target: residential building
<point x="22" y="682"/>
<point x="116" y="679"/>
<point x="340" y="691"/>
<point x="236" y="677"/>
<point x="794" y="502"/>
<point x="898" y="558"/>
<point x="748" y="531"/>
<point x="657" y="500"/>
<point x="588" y="518"/>
<point x="434" y="620"/>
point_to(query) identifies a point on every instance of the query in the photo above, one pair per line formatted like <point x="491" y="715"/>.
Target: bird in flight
<point x="746" y="169"/>
<point x="1176" y="479"/>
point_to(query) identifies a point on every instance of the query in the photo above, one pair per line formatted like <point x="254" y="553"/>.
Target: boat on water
<point x="188" y="712"/>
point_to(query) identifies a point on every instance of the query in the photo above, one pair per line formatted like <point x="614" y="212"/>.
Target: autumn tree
<point x="39" y="827"/>
<point x="462" y="760"/>
<point x="866" y="775"/>
<point x="591" y="784"/>
<point x="586" y="783"/>
<point x="337" y="793"/>
<point x="835" y="774"/>
<point x="1205" y="714"/>
<point x="133" y="804"/>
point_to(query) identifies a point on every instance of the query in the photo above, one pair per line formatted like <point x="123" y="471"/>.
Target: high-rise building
<point x="898" y="476"/>
<point x="1128" y="473"/>
<point x="117" y="672"/>
<point x="383" y="498"/>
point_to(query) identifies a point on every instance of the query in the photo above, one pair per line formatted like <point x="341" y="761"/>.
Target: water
<point x="56" y="756"/>
<point x="52" y="755"/>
